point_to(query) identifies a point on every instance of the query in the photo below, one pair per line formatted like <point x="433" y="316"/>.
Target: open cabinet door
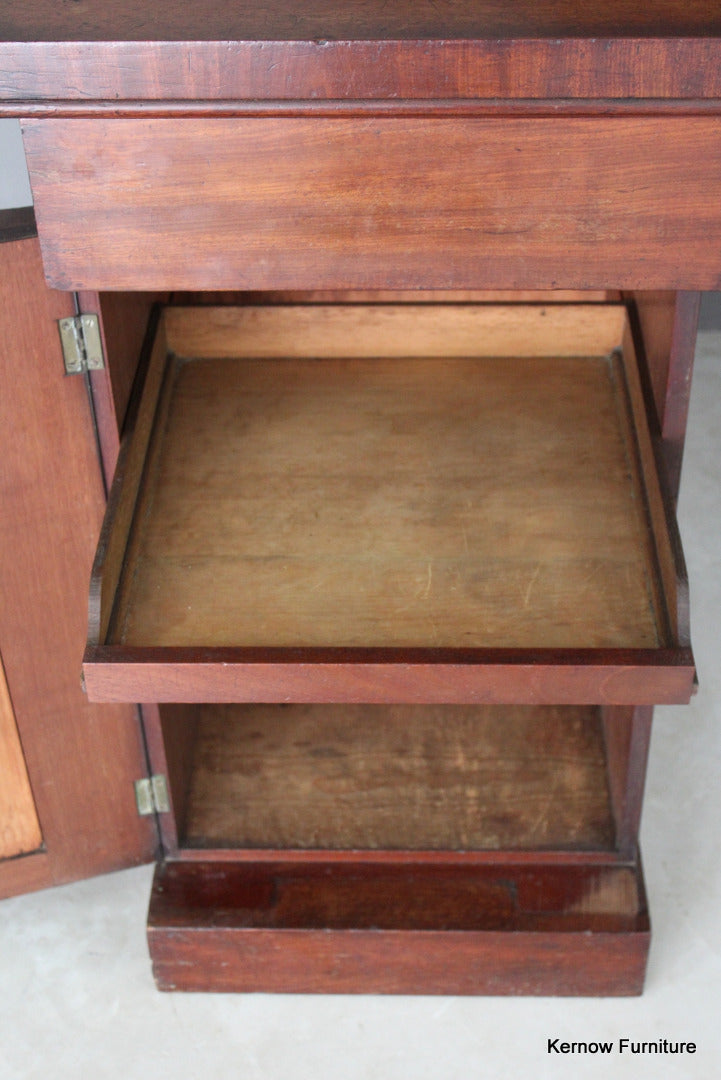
<point x="67" y="802"/>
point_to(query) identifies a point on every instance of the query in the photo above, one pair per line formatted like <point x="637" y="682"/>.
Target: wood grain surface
<point x="411" y="929"/>
<point x="419" y="503"/>
<point x="408" y="778"/>
<point x="304" y="511"/>
<point x="322" y="51"/>
<point x="385" y="203"/>
<point x="81" y="758"/>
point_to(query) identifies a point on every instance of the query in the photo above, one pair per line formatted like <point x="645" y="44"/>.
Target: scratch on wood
<point x="531" y="583"/>
<point x="426" y="590"/>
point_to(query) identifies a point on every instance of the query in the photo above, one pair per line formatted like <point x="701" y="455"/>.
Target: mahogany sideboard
<point x="383" y="324"/>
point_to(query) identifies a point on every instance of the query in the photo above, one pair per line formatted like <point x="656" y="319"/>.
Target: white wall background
<point x="14" y="183"/>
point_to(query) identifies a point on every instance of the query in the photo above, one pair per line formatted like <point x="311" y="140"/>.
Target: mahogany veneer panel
<point x="292" y="20"/>
<point x="81" y="758"/>
<point x="213" y="52"/>
<point x="385" y="203"/>
<point x="345" y="928"/>
<point x="350" y="511"/>
<point x="401" y="777"/>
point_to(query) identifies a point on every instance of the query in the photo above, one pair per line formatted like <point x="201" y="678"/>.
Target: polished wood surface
<point x="388" y="203"/>
<point x="401" y="777"/>
<point x="345" y="928"/>
<point x="668" y="323"/>
<point x="311" y="146"/>
<point x="295" y="50"/>
<point x="316" y="211"/>
<point x="627" y="735"/>
<point x="125" y="490"/>
<point x="81" y="758"/>
<point x="294" y="20"/>
<point x="124" y="323"/>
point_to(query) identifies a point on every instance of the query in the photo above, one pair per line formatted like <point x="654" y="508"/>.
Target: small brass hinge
<point x="151" y="796"/>
<point x="81" y="343"/>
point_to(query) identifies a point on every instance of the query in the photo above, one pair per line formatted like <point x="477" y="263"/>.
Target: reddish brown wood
<point x="415" y="929"/>
<point x="387" y="203"/>
<point x="28" y="873"/>
<point x="82" y="759"/>
<point x="497" y="108"/>
<point x="627" y="737"/>
<point x="436" y="676"/>
<point x="323" y="50"/>
<point x="653" y="314"/>
<point x="639" y="742"/>
<point x="170" y="734"/>
<point x="124" y="321"/>
<point x="678" y="386"/>
<point x="312" y="20"/>
<point x="668" y="323"/>
<point x="534" y="145"/>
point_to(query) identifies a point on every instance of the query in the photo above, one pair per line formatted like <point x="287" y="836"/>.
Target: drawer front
<point x="294" y="203"/>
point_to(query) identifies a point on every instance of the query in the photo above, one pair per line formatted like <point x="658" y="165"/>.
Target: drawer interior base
<point x="394" y="502"/>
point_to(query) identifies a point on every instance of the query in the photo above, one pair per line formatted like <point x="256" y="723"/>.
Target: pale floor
<point x="77" y="999"/>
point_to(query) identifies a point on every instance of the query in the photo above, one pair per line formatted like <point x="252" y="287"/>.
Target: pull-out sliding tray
<point x="437" y="503"/>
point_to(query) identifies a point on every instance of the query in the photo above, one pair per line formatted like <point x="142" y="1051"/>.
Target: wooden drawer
<point x="381" y="503"/>
<point x="353" y="202"/>
<point x="350" y="927"/>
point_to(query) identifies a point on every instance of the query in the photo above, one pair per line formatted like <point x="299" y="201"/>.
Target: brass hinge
<point x="81" y="343"/>
<point x="151" y="796"/>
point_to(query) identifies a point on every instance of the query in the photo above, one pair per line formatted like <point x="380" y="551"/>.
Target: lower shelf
<point x="503" y="927"/>
<point x="394" y="778"/>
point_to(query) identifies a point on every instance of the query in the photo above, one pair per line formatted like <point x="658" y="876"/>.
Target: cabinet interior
<point x="384" y="778"/>
<point x="312" y="484"/>
<point x="421" y="475"/>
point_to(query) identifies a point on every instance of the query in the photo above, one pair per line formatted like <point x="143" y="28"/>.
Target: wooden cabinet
<point x="390" y="554"/>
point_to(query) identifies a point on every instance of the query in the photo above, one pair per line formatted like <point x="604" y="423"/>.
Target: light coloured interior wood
<point x="19" y="825"/>
<point x="398" y="330"/>
<point x="399" y="777"/>
<point x="422" y="501"/>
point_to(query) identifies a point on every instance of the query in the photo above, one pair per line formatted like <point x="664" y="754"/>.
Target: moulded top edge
<point x="316" y="20"/>
<point x="325" y="54"/>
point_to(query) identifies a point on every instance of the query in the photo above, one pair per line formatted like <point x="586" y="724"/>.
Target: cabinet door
<point x="67" y="805"/>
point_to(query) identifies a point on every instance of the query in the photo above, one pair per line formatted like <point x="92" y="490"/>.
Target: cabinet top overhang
<point x="86" y="54"/>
